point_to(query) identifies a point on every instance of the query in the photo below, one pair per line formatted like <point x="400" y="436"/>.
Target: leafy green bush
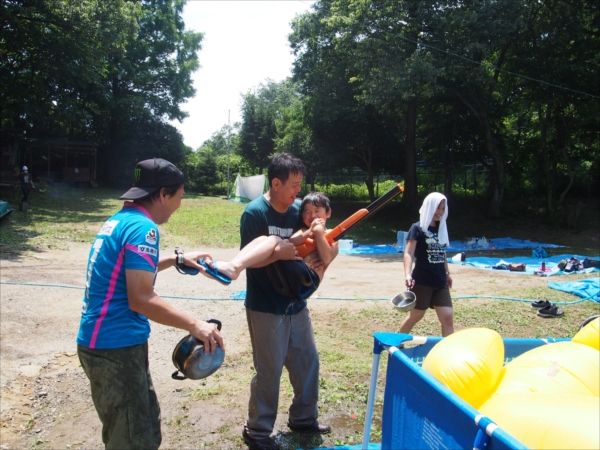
<point x="351" y="191"/>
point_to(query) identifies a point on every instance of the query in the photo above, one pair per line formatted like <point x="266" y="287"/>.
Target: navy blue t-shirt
<point x="261" y="219"/>
<point x="430" y="268"/>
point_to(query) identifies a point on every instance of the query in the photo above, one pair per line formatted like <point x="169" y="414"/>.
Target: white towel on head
<point x="430" y="204"/>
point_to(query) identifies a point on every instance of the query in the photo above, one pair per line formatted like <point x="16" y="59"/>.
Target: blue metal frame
<point x="419" y="412"/>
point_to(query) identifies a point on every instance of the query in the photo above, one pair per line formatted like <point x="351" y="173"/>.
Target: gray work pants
<point x="279" y="341"/>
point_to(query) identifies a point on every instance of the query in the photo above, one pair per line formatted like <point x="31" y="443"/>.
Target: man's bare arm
<point x="143" y="300"/>
<point x="285" y="250"/>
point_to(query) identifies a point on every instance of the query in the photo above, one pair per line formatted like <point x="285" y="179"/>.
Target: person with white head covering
<point x="430" y="279"/>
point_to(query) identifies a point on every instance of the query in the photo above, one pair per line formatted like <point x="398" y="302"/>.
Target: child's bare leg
<point x="257" y="251"/>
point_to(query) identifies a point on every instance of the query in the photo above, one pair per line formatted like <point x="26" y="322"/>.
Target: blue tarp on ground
<point x="360" y="249"/>
<point x="588" y="288"/>
<point x="496" y="244"/>
<point x="455" y="246"/>
<point x="532" y="264"/>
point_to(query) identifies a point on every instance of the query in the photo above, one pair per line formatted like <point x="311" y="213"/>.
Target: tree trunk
<point x="370" y="185"/>
<point x="544" y="117"/>
<point x="497" y="181"/>
<point x="448" y="163"/>
<point x="562" y="141"/>
<point x="368" y="159"/>
<point x="410" y="197"/>
<point x="113" y="176"/>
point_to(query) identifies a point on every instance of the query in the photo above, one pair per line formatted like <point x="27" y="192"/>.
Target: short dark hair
<point x="317" y="199"/>
<point x="169" y="191"/>
<point x="283" y="165"/>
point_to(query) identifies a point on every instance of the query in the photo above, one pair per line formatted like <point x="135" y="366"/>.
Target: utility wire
<point x="494" y="68"/>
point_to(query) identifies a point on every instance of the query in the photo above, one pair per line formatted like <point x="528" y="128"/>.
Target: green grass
<point x="204" y="221"/>
<point x="57" y="217"/>
<point x="60" y="216"/>
<point x="63" y="215"/>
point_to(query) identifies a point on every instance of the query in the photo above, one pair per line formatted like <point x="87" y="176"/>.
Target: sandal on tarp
<point x="550" y="311"/>
<point x="213" y="272"/>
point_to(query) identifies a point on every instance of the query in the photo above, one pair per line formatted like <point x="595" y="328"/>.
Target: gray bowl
<point x="404" y="301"/>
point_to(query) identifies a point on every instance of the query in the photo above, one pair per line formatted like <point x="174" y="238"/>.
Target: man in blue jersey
<point x="119" y="299"/>
<point x="280" y="329"/>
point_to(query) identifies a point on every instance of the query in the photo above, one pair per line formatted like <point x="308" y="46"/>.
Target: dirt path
<point x="45" y="401"/>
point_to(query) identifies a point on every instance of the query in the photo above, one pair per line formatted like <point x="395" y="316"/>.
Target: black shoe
<point x="541" y="304"/>
<point x="550" y="311"/>
<point x="267" y="443"/>
<point x="314" y="428"/>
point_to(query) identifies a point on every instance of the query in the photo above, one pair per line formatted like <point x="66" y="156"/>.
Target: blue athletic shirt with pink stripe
<point x="128" y="240"/>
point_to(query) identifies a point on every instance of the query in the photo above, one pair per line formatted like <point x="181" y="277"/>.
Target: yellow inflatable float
<point x="560" y="368"/>
<point x="547" y="398"/>
<point x="590" y="334"/>
<point x="547" y="421"/>
<point x="469" y="363"/>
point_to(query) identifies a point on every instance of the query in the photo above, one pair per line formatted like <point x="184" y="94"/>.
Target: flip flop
<point x="213" y="273"/>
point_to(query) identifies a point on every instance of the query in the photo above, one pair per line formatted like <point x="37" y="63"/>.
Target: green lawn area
<point x="62" y="215"/>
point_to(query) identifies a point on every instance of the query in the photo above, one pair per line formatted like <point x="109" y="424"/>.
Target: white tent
<point x="246" y="189"/>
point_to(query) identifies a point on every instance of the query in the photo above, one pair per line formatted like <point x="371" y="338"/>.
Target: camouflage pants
<point x="123" y="395"/>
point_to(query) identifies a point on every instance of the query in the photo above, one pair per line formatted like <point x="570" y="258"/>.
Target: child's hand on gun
<point x="317" y="224"/>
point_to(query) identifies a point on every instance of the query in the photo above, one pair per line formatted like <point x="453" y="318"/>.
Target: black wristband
<point x="179" y="261"/>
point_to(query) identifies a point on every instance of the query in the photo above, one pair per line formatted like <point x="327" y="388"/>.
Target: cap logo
<point x="138" y="173"/>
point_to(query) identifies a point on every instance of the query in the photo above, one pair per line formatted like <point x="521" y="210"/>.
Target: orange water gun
<point x="335" y="234"/>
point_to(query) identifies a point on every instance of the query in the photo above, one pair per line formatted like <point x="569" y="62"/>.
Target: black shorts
<point x="430" y="296"/>
<point x="293" y="280"/>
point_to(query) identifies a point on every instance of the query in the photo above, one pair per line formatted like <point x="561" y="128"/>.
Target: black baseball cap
<point x="150" y="175"/>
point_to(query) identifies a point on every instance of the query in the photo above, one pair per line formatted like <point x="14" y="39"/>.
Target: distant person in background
<point x="430" y="279"/>
<point x="26" y="182"/>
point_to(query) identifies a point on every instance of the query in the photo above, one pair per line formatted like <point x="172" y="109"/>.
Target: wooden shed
<point x="60" y="160"/>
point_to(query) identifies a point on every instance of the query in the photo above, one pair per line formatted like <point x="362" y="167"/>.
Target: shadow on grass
<point x="54" y="205"/>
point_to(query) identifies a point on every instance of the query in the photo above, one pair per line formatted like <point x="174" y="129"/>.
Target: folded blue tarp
<point x="532" y="264"/>
<point x="588" y="288"/>
<point x="496" y="244"/>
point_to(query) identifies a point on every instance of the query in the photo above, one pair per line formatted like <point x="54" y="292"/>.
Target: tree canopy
<point x="110" y="71"/>
<point x="455" y="82"/>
